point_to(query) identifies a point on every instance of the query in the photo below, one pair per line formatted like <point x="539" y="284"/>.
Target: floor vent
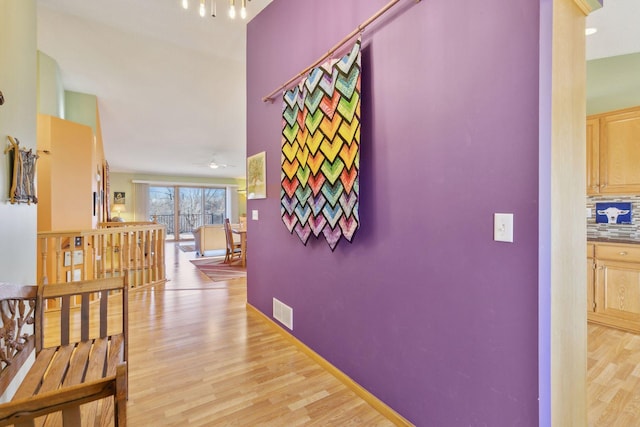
<point x="283" y="313"/>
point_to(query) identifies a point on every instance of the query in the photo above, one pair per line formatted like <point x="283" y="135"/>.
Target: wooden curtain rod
<point x="351" y="35"/>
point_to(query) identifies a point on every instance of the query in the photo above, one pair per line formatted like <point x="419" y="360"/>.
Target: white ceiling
<point x="170" y="85"/>
<point x="618" y="29"/>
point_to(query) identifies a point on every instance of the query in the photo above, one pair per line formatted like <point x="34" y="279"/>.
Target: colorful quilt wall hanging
<point x="321" y="152"/>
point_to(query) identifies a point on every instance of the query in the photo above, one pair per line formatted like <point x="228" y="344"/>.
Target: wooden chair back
<point x="81" y="361"/>
<point x="17" y="306"/>
<point x="233" y="248"/>
<point x="82" y="322"/>
<point x="228" y="234"/>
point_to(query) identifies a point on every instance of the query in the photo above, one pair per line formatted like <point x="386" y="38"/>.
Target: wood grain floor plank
<point x="613" y="377"/>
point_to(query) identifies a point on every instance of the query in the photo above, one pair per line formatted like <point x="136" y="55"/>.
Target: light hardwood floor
<point x="197" y="357"/>
<point x="613" y="377"/>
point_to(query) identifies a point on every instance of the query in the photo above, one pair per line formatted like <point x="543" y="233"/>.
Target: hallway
<point x="198" y="358"/>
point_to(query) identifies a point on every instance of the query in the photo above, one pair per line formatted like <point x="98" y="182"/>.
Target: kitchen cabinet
<point x="593" y="156"/>
<point x="616" y="287"/>
<point x="613" y="152"/>
<point x="591" y="268"/>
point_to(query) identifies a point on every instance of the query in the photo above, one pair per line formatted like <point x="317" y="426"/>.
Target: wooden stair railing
<point x="111" y="251"/>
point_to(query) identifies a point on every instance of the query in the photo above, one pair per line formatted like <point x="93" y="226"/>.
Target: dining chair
<point x="234" y="249"/>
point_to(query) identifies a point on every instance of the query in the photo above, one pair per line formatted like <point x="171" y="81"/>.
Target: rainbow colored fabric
<point x="321" y="152"/>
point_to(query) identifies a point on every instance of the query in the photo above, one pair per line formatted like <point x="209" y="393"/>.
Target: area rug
<point x="216" y="270"/>
<point x="187" y="248"/>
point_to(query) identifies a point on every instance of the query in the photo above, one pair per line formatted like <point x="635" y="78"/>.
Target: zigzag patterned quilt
<point x="321" y="152"/>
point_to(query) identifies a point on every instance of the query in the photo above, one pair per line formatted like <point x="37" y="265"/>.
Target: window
<point x="195" y="206"/>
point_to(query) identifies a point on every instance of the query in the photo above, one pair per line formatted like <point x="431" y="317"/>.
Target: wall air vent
<point x="283" y="313"/>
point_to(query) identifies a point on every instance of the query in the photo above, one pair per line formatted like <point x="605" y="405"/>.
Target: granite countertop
<point x="626" y="241"/>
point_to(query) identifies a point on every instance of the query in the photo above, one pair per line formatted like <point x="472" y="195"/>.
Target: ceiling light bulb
<point x="185" y="4"/>
<point x="232" y="9"/>
<point x="202" y="10"/>
<point x="590" y="31"/>
<point x="213" y="165"/>
<point x="243" y="10"/>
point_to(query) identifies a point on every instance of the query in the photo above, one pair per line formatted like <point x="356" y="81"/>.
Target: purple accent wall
<point x="544" y="221"/>
<point x="424" y="309"/>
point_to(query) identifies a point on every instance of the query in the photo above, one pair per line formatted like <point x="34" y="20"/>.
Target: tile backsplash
<point x="614" y="231"/>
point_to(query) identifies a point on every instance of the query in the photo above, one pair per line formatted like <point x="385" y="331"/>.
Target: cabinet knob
<point x="623" y="253"/>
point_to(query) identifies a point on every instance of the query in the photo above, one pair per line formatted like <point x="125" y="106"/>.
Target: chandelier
<point x="202" y="9"/>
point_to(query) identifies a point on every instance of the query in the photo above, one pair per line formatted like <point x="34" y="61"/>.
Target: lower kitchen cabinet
<point x="615" y="287"/>
<point x="591" y="282"/>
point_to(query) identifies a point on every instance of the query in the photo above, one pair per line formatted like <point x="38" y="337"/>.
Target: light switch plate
<point x="503" y="227"/>
<point x="589" y="213"/>
<point x="254" y="214"/>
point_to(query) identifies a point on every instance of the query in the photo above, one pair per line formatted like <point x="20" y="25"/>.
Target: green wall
<point x="54" y="101"/>
<point x="81" y="108"/>
<point x="613" y="83"/>
<point x="50" y="89"/>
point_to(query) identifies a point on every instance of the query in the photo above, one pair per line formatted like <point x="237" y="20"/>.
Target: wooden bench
<point x="81" y="353"/>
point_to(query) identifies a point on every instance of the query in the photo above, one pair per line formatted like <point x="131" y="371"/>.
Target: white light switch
<point x="588" y="212"/>
<point x="503" y="227"/>
<point x="254" y="214"/>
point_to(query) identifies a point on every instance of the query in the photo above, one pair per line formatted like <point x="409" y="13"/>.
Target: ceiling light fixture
<point x="213" y="164"/>
<point x="233" y="12"/>
<point x="591" y="30"/>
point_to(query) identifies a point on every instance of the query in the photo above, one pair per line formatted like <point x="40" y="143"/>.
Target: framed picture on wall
<point x="257" y="176"/>
<point x="118" y="198"/>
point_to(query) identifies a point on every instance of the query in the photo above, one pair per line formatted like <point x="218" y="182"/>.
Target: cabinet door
<point x="620" y="153"/>
<point x="590" y="285"/>
<point x="618" y="290"/>
<point x="593" y="156"/>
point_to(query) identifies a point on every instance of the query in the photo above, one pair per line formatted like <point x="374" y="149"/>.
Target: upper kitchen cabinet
<point x="615" y="141"/>
<point x="593" y="156"/>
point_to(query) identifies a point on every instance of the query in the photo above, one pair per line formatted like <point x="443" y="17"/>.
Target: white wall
<point x="18" y="73"/>
<point x="18" y="77"/>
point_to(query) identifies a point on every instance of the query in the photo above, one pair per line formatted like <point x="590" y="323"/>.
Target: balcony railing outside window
<point x="181" y="209"/>
<point x="187" y="222"/>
